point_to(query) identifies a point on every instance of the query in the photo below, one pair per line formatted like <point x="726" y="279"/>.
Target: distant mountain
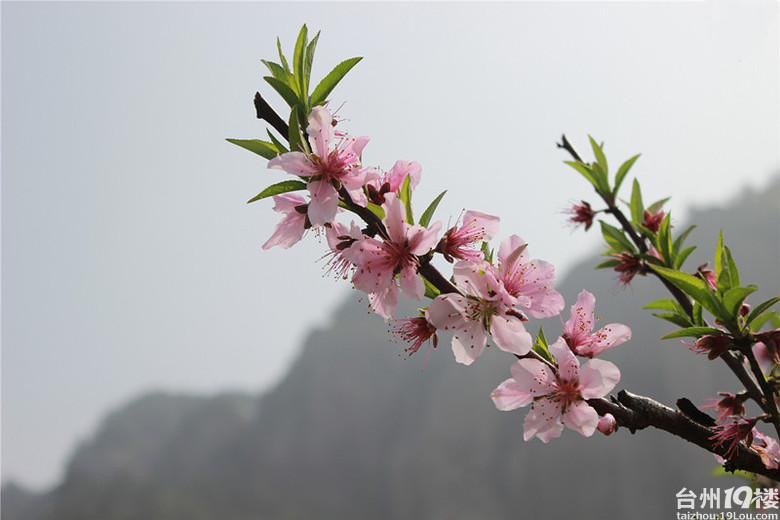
<point x="354" y="431"/>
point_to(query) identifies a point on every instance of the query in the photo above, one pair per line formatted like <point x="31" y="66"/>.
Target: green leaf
<point x="309" y="59"/>
<point x="541" y="346"/>
<point x="637" y="209"/>
<point x="324" y="88"/>
<point x="732" y="267"/>
<point x="376" y="210"/>
<point x="608" y="264"/>
<point x="694" y="332"/>
<point x="279" y="187"/>
<point x="297" y="142"/>
<point x="406" y="198"/>
<point x="279" y="146"/>
<point x="278" y="72"/>
<point x="427" y="215"/>
<point x="299" y="57"/>
<point x="602" y="183"/>
<point x="615" y="238"/>
<point x="261" y="148"/>
<point x="698" y="315"/>
<point x="734" y="297"/>
<point x="487" y="252"/>
<point x="288" y="94"/>
<point x="585" y="170"/>
<point x="761" y="308"/>
<point x="678" y="242"/>
<point x="431" y="291"/>
<point x="696" y="288"/>
<point x="664" y="241"/>
<point x="769" y="317"/>
<point x="722" y="277"/>
<point x="683" y="256"/>
<point x="664" y="305"/>
<point x="282" y="59"/>
<point x="655" y="207"/>
<point x="622" y="172"/>
<point x="601" y="159"/>
<point x="673" y="317"/>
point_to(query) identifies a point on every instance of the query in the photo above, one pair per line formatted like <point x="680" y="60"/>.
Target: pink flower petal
<point x="581" y="417"/>
<point x="510" y="335"/>
<point x="510" y="396"/>
<point x="469" y="342"/>
<point x="295" y="163"/>
<point x="324" y="202"/>
<point x="543" y="421"/>
<point x="320" y="131"/>
<point x="598" y="378"/>
<point x="534" y="377"/>
<point x="448" y="311"/>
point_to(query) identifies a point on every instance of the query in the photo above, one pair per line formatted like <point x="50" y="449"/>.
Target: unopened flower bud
<point x="607" y="424"/>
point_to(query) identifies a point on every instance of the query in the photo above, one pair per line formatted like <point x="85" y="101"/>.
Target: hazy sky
<point x="130" y="260"/>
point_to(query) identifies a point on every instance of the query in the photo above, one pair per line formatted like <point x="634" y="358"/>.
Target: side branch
<point x="636" y="412"/>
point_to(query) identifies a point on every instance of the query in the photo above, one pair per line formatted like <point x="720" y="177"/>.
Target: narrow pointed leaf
<point x="406" y="198"/>
<point x="284" y="90"/>
<point x="696" y="288"/>
<point x="679" y="260"/>
<point x="637" y="209"/>
<point x="608" y="264"/>
<point x="279" y="145"/>
<point x="326" y="85"/>
<point x="693" y="332"/>
<point x="678" y="242"/>
<point x="282" y="59"/>
<point x="431" y="291"/>
<point x="734" y="297"/>
<point x="309" y="59"/>
<point x="261" y="148"/>
<point x="615" y="238"/>
<point x="427" y="215"/>
<point x="664" y="241"/>
<point x="298" y="53"/>
<point x="761" y="308"/>
<point x="278" y="72"/>
<point x="673" y="317"/>
<point x="664" y="305"/>
<point x="279" y="187"/>
<point x="622" y="172"/>
<point x="656" y="206"/>
<point x="601" y="159"/>
<point x="297" y="142"/>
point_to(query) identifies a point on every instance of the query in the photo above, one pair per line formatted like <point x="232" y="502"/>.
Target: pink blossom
<point x="479" y="311"/>
<point x="417" y="331"/>
<point x="379" y="185"/>
<point x="581" y="214"/>
<point x="556" y="395"/>
<point x="527" y="283"/>
<point x="767" y="448"/>
<point x="653" y="220"/>
<point x="327" y="169"/>
<point x="457" y="241"/>
<point x="342" y="255"/>
<point x="712" y="345"/>
<point x="578" y="331"/>
<point x="732" y="435"/>
<point x="379" y="261"/>
<point x="727" y="406"/>
<point x="629" y="266"/>
<point x="291" y="228"/>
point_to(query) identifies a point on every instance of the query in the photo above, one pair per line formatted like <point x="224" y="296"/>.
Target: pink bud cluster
<point x="487" y="299"/>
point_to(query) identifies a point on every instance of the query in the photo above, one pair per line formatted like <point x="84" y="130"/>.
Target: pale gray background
<point x="130" y="260"/>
